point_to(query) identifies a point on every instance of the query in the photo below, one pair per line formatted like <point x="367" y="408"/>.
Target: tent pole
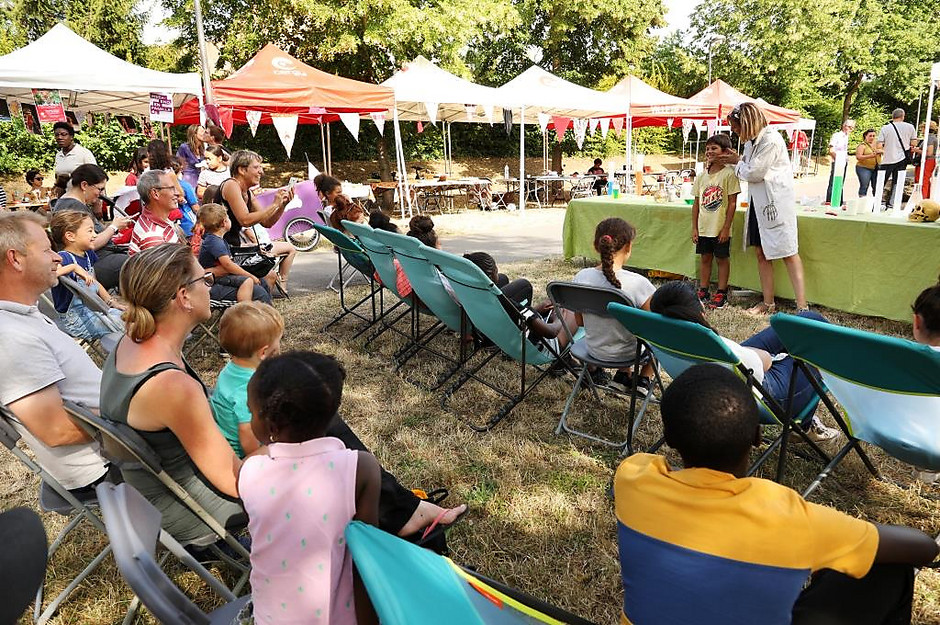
<point x="450" y="149"/>
<point x="403" y="193"/>
<point x="323" y="146"/>
<point x="203" y="58"/>
<point x="329" y="151"/>
<point x="923" y="158"/>
<point x="522" y="193"/>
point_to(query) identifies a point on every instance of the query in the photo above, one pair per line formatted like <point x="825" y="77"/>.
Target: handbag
<point x="252" y="259"/>
<point x="907" y="153"/>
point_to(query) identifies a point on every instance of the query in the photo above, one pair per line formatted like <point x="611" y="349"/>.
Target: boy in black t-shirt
<point x="231" y="281"/>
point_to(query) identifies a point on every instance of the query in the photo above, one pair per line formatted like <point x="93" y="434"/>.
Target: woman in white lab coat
<point x="770" y="225"/>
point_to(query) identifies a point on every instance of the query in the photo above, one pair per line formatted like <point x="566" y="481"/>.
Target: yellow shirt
<point x="868" y="163"/>
<point x="712" y="191"/>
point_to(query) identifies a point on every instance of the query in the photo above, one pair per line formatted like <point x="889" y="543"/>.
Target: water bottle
<point x="610" y="187"/>
<point x="506" y="172"/>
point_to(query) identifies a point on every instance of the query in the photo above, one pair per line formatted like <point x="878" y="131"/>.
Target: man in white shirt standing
<point x="839" y="144"/>
<point x="895" y="138"/>
<point x="70" y="154"/>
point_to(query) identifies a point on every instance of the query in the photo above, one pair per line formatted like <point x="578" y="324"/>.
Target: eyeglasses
<point x="162" y="188"/>
<point x="100" y="189"/>
<point x="208" y="278"/>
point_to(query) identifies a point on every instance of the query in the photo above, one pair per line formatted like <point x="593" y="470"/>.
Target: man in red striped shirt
<point x="158" y="195"/>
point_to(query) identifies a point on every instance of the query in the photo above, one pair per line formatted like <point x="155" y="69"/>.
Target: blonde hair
<point x="64" y="222"/>
<point x="149" y="282"/>
<point x="13" y="232"/>
<point x="212" y="216"/>
<point x="246" y="327"/>
<point x="197" y="146"/>
<point x="242" y="159"/>
<point x="752" y="120"/>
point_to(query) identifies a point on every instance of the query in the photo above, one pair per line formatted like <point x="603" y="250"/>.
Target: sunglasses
<point x="208" y="278"/>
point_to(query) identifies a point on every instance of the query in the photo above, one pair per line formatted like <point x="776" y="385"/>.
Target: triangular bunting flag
<point x="618" y="125"/>
<point x="431" y="108"/>
<point x="686" y="129"/>
<point x="669" y="121"/>
<point x="254" y="118"/>
<point x="593" y="123"/>
<point x="488" y="113"/>
<point x="286" y="126"/>
<point x="420" y="127"/>
<point x="580" y="129"/>
<point x="543" y="121"/>
<point x="712" y="126"/>
<point x="379" y="119"/>
<point x="228" y="122"/>
<point x="470" y="110"/>
<point x="507" y="120"/>
<point x="605" y="126"/>
<point x="312" y="171"/>
<point x="561" y="125"/>
<point x="351" y="121"/>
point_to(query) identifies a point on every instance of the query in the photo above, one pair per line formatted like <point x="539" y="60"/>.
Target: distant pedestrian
<point x="839" y="144"/>
<point x="895" y="138"/>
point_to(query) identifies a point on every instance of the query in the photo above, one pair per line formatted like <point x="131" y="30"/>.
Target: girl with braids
<point x="146" y="384"/>
<point x="300" y="490"/>
<point x="764" y="354"/>
<point x="606" y="338"/>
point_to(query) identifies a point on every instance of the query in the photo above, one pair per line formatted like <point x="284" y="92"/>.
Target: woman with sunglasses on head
<point x="87" y="187"/>
<point x="770" y="224"/>
<point x="146" y="384"/>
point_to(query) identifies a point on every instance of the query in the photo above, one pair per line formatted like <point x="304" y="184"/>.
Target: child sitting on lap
<point x="300" y="491"/>
<point x="607" y="339"/>
<point x="231" y="281"/>
<point x="741" y="548"/>
<point x="716" y="197"/>
<point x="249" y="332"/>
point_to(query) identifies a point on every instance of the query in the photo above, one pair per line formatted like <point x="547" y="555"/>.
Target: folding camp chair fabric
<point x="889" y="387"/>
<point x="53" y="497"/>
<point x="424" y="278"/>
<point x="414" y="586"/>
<point x="350" y="251"/>
<point x="486" y="306"/>
<point x="378" y="253"/>
<point x="22" y="561"/>
<point x="133" y="525"/>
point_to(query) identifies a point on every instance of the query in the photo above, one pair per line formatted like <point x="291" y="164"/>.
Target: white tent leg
<point x="923" y="159"/>
<point x="329" y="151"/>
<point x="522" y="191"/>
<point x="323" y="146"/>
<point x="450" y="150"/>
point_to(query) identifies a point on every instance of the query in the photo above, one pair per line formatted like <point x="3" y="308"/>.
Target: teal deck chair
<point x="679" y="345"/>
<point x="426" y="282"/>
<point x="889" y="388"/>
<point x="384" y="262"/>
<point x="353" y="254"/>
<point x="499" y="320"/>
<point x="409" y="585"/>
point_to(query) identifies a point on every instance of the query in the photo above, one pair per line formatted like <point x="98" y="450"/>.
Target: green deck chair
<point x="353" y="254"/>
<point x="888" y="387"/>
<point x="492" y="314"/>
<point x="409" y="585"/>
<point x="679" y="345"/>
<point x="426" y="282"/>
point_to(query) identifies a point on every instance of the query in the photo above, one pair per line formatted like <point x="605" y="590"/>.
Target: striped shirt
<point x="150" y="232"/>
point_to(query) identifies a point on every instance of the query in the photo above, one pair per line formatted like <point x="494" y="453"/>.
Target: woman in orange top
<point x="867" y="157"/>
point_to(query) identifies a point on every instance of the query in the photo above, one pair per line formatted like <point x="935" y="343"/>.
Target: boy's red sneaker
<point x="718" y="300"/>
<point x="703" y="295"/>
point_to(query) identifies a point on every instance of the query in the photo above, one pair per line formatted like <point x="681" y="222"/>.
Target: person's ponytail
<point x="139" y="323"/>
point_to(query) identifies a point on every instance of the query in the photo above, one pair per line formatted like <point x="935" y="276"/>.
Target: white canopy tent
<point x="88" y="78"/>
<point x="536" y="91"/>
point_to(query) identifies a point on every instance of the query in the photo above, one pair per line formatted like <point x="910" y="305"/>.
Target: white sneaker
<point x="925" y="476"/>
<point x="817" y="432"/>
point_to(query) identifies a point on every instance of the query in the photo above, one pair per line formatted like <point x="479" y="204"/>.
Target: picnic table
<point x="554" y="183"/>
<point x="438" y="195"/>
<point x="871" y="264"/>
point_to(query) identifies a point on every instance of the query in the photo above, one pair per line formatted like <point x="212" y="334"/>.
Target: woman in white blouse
<point x="771" y="213"/>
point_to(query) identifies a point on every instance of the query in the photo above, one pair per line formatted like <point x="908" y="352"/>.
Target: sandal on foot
<point x="761" y="309"/>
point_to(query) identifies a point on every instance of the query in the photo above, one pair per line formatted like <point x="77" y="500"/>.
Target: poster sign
<point x="161" y="107"/>
<point x="49" y="105"/>
<point x="31" y="118"/>
<point x="72" y="118"/>
<point x="5" y="115"/>
<point x="127" y="123"/>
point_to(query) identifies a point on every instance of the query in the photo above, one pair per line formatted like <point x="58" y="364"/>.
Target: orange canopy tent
<point x="719" y="98"/>
<point x="275" y="82"/>
<point x="651" y="107"/>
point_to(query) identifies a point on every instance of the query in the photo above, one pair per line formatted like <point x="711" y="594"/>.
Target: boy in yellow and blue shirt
<point x="706" y="545"/>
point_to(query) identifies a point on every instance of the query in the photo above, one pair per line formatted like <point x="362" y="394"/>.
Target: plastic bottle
<point x="610" y="187"/>
<point x="506" y="172"/>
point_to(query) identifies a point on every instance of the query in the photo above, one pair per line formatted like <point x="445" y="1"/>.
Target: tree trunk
<point x="850" y="94"/>
<point x="556" y="156"/>
<point x="385" y="171"/>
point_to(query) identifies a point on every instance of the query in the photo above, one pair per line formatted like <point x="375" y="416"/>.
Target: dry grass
<point x="540" y="519"/>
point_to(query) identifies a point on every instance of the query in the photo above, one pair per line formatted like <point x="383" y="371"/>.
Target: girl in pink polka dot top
<point x="300" y="490"/>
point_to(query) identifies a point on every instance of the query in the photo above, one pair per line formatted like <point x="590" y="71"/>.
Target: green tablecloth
<point x="870" y="265"/>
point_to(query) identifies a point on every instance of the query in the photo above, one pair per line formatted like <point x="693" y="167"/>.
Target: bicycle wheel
<point x="300" y="233"/>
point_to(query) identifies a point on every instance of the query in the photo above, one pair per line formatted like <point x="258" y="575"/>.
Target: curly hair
<point x="610" y="236"/>
<point x="421" y="227"/>
<point x="297" y="394"/>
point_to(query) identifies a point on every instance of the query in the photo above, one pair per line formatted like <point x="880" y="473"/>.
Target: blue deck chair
<point x="581" y="299"/>
<point x="427" y="285"/>
<point x="492" y="314"/>
<point x="889" y="388"/>
<point x="352" y="253"/>
<point x="384" y="262"/>
<point x="409" y="585"/>
<point x="679" y="345"/>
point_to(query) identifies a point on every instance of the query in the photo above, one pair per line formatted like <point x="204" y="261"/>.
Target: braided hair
<point x="296" y="395"/>
<point x="612" y="235"/>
